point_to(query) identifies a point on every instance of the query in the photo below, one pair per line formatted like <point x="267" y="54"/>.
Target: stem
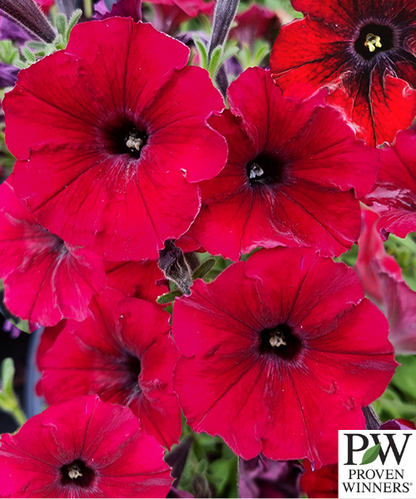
<point x="29" y="15"/>
<point x="371" y="419"/>
<point x="18" y="414"/>
<point x="224" y="14"/>
<point x="88" y="8"/>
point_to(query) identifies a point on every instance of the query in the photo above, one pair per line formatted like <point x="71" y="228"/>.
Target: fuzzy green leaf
<point x="214" y="65"/>
<point x="202" y="52"/>
<point x="76" y="16"/>
<point x="30" y="56"/>
<point x="61" y="24"/>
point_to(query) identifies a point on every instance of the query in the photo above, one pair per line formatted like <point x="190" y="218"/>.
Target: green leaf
<point x="202" y="52"/>
<point x="229" y="53"/>
<point x="214" y="62"/>
<point x="168" y="297"/>
<point x="8" y="52"/>
<point x="203" y="269"/>
<point x="404" y="379"/>
<point x="7" y="374"/>
<point x="30" y="56"/>
<point x="76" y="16"/>
<point x="36" y="46"/>
<point x="61" y="24"/>
<point x="371" y="454"/>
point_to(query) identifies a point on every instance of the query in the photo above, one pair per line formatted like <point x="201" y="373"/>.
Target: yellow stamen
<point x="372" y="41"/>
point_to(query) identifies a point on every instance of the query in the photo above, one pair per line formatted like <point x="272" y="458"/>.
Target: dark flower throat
<point x="266" y="169"/>
<point x="279" y="341"/>
<point x="373" y="39"/>
<point x="76" y="473"/>
<point x="125" y="139"/>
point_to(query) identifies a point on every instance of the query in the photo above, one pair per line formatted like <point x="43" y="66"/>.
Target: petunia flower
<point x="372" y="257"/>
<point x="394" y="192"/>
<point x="122" y="8"/>
<point x="82" y="448"/>
<point x="276" y="349"/>
<point x="364" y="51"/>
<point x="292" y="168"/>
<point x="383" y="282"/>
<point x="142" y="280"/>
<point x="123" y="353"/>
<point x="118" y="141"/>
<point x="262" y="477"/>
<point x="45" y="279"/>
<point x="320" y="483"/>
<point x="254" y="23"/>
<point x="170" y="14"/>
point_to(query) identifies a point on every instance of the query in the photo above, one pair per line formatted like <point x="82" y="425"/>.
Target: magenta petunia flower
<point x="394" y="193"/>
<point x="122" y="8"/>
<point x="170" y="14"/>
<point x="382" y="280"/>
<point x="45" y="279"/>
<point x="320" y="483"/>
<point x="261" y="477"/>
<point x="276" y="349"/>
<point x="364" y="51"/>
<point x="292" y="167"/>
<point x="142" y="280"/>
<point x="119" y="139"/>
<point x="125" y="354"/>
<point x="372" y="257"/>
<point x="254" y="23"/>
<point x="82" y="448"/>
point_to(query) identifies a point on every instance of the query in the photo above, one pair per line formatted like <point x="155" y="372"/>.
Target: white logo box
<point x="391" y="474"/>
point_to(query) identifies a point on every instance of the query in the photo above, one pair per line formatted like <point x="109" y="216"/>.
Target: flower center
<point x="124" y="138"/>
<point x="133" y="368"/>
<point x="135" y="140"/>
<point x="267" y="169"/>
<point x="279" y="341"/>
<point x="76" y="473"/>
<point x="373" y="39"/>
<point x="372" y="42"/>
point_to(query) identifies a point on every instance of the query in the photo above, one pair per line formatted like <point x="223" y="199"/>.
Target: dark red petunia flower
<point x="125" y="354"/>
<point x="383" y="282"/>
<point x="320" y="483"/>
<point x="45" y="279"/>
<point x="262" y="477"/>
<point x="170" y="14"/>
<point x="292" y="166"/>
<point x="82" y="448"/>
<point x="277" y="348"/>
<point x="119" y="141"/>
<point x="394" y="193"/>
<point x="254" y="23"/>
<point x="364" y="51"/>
<point x="372" y="257"/>
<point x="122" y="8"/>
<point x="142" y="280"/>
